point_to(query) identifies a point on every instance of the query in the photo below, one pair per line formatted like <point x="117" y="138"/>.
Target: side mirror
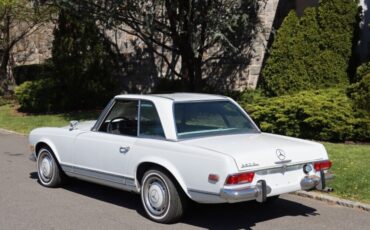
<point x="72" y="125"/>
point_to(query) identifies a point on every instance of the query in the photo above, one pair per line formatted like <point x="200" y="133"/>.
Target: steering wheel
<point x="110" y="124"/>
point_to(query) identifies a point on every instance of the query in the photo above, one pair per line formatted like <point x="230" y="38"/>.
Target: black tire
<point x="48" y="169"/>
<point x="162" y="200"/>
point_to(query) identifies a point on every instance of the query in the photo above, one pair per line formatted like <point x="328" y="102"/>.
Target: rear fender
<point x="167" y="165"/>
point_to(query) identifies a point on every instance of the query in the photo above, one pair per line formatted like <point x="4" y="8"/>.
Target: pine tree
<point x="313" y="51"/>
<point x="83" y="62"/>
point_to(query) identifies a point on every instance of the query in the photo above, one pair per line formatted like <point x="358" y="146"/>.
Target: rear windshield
<point x="198" y="119"/>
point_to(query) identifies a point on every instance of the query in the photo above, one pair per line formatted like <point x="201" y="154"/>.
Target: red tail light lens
<point x="241" y="178"/>
<point x="323" y="165"/>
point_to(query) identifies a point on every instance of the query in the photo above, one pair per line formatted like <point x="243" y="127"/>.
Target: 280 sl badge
<point x="247" y="165"/>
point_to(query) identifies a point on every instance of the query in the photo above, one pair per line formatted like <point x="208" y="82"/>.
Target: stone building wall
<point x="36" y="48"/>
<point x="267" y="16"/>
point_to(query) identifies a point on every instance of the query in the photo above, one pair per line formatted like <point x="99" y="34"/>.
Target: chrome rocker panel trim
<point x="103" y="178"/>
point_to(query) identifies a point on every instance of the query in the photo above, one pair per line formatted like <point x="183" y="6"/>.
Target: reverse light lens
<point x="241" y="178"/>
<point x="323" y="165"/>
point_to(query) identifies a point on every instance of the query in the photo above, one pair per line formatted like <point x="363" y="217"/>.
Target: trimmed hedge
<point x="320" y="115"/>
<point x="313" y="51"/>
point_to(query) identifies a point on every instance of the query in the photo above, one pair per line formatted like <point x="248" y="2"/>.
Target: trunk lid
<point x="261" y="150"/>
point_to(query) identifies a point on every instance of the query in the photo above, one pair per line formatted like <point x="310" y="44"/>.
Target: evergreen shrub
<point x="313" y="51"/>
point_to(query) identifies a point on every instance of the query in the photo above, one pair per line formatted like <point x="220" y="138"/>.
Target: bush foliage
<point x="313" y="51"/>
<point x="319" y="114"/>
<point x="37" y="96"/>
<point x="33" y="72"/>
<point x="359" y="92"/>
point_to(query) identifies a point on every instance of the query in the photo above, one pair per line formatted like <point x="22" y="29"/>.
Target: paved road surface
<point x="25" y="204"/>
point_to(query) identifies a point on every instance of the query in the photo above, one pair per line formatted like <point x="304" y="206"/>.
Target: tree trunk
<point x="5" y="57"/>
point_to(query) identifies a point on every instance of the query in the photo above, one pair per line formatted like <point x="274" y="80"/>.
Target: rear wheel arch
<point x="145" y="166"/>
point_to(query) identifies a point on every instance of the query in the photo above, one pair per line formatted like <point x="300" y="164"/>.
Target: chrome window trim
<point x="109" y="107"/>
<point x="138" y="118"/>
<point x="160" y="121"/>
<point x="103" y="115"/>
<point x="245" y="114"/>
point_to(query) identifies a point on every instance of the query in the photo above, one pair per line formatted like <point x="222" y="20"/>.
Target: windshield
<point x="196" y="119"/>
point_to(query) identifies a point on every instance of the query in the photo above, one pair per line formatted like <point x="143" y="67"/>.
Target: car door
<point x="102" y="154"/>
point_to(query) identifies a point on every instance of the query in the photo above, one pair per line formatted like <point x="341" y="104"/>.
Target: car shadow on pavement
<point x="243" y="215"/>
<point x="211" y="216"/>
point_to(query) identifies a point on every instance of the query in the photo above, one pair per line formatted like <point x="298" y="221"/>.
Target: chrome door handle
<point x="124" y="150"/>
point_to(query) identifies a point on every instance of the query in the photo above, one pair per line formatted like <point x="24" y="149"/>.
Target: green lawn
<point x="351" y="162"/>
<point x="12" y="120"/>
<point x="351" y="166"/>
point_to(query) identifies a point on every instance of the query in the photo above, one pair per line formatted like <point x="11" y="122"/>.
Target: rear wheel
<point x="48" y="170"/>
<point x="162" y="201"/>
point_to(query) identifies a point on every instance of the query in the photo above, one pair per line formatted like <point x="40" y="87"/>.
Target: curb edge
<point x="333" y="200"/>
<point x="11" y="132"/>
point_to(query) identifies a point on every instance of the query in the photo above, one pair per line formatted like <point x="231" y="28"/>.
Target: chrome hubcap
<point x="156" y="196"/>
<point x="45" y="167"/>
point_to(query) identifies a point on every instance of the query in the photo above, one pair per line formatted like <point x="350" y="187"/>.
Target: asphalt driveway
<point x="25" y="204"/>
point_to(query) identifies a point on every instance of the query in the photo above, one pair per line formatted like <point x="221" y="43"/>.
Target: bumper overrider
<point x="260" y="190"/>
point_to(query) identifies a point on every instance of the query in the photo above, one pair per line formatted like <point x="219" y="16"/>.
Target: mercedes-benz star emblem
<point x="280" y="154"/>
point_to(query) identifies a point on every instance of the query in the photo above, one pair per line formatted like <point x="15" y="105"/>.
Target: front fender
<point x="49" y="143"/>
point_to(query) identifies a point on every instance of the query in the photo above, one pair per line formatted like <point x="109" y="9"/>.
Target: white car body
<point x="115" y="160"/>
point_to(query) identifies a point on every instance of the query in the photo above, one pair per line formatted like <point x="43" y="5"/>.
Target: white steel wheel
<point x="47" y="169"/>
<point x="160" y="197"/>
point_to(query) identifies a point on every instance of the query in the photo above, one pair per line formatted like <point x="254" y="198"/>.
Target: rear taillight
<point x="322" y="165"/>
<point x="240" y="178"/>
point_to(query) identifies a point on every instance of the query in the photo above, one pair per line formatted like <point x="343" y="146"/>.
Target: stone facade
<point x="267" y="16"/>
<point x="36" y="48"/>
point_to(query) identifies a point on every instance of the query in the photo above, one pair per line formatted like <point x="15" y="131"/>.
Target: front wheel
<point x="48" y="170"/>
<point x="162" y="201"/>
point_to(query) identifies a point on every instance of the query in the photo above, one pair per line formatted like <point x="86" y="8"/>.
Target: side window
<point x="150" y="124"/>
<point x="122" y="119"/>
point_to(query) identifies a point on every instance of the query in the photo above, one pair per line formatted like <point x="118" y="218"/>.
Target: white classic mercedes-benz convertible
<point x="174" y="147"/>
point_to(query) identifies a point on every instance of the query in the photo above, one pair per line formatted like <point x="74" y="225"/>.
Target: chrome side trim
<point x="116" y="181"/>
<point x="256" y="170"/>
<point x="66" y="168"/>
<point x="280" y="169"/>
<point x="203" y="192"/>
<point x="283" y="162"/>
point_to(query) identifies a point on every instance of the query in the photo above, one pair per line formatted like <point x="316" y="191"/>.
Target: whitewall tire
<point x="163" y="202"/>
<point x="48" y="170"/>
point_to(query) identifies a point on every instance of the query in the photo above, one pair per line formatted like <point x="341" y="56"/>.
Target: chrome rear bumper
<point x="316" y="182"/>
<point x="257" y="192"/>
<point x="260" y="190"/>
